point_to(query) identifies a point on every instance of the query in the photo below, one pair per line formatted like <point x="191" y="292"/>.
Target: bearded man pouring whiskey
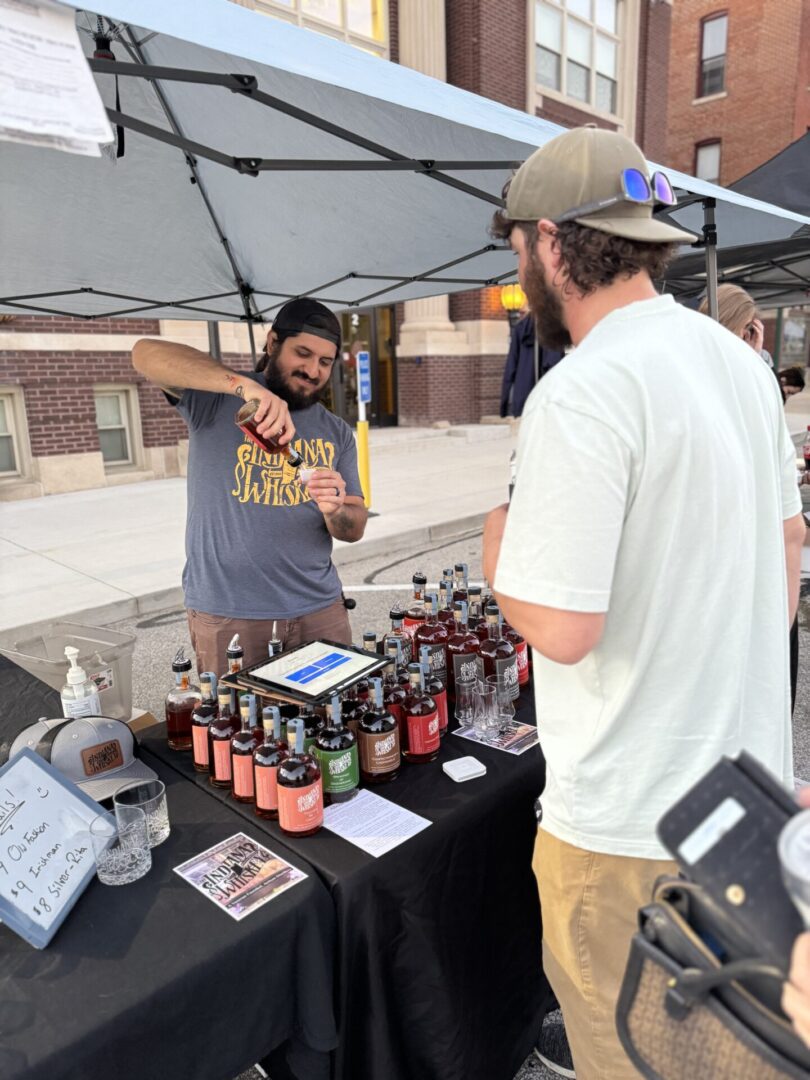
<point x="258" y="540"/>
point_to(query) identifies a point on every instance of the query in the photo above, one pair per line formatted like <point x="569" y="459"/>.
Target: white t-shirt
<point x="654" y="470"/>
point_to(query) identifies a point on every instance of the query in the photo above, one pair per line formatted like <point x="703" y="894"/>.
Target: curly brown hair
<point x="591" y="258"/>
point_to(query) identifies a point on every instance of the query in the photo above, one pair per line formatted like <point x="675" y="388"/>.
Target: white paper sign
<point x="46" y="857"/>
<point x="48" y="96"/>
<point x="372" y="823"/>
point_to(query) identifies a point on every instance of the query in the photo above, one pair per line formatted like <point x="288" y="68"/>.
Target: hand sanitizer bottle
<point x="79" y="694"/>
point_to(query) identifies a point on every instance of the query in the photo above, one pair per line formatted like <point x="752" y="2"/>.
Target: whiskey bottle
<point x="288" y="711"/>
<point x="394" y="693"/>
<point x="463" y="652"/>
<point x="243" y="743"/>
<point x="220" y="732"/>
<point x="460" y="581"/>
<point x="397" y="633"/>
<point x="446" y="602"/>
<point x="202" y="716"/>
<point x="235" y="655"/>
<point x="435" y="686"/>
<point x="352" y="708"/>
<point x="522" y="650"/>
<point x="336" y="751"/>
<point x="498" y="654"/>
<point x="266" y="759"/>
<point x="181" y="702"/>
<point x="378" y="740"/>
<point x="312" y="725"/>
<point x="415" y="612"/>
<point x="475" y="611"/>
<point x="274" y="647"/>
<point x="246" y="423"/>
<point x="300" y="795"/>
<point x="434" y="635"/>
<point x="362" y="688"/>
<point x="394" y="650"/>
<point x="420" y="732"/>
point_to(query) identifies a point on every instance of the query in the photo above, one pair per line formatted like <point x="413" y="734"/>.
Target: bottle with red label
<point x="394" y="692"/>
<point x="460" y="582"/>
<point x="522" y="650"/>
<point x="266" y="759"/>
<point x="398" y="633"/>
<point x="202" y="716"/>
<point x="243" y="744"/>
<point x="434" y="634"/>
<point x="220" y="732"/>
<point x="378" y="740"/>
<point x="446" y="602"/>
<point x="463" y="652"/>
<point x="415" y="613"/>
<point x="498" y="654"/>
<point x="181" y="701"/>
<point x="420" y="731"/>
<point x="298" y="782"/>
<point x="435" y="686"/>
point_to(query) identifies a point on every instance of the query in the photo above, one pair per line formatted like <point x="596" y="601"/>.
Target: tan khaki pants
<point x="589" y="903"/>
<point x="210" y="634"/>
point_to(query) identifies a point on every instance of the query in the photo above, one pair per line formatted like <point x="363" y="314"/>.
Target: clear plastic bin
<point x="106" y="656"/>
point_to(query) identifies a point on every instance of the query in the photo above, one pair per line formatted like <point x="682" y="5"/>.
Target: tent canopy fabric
<point x="784" y="180"/>
<point x="351" y="186"/>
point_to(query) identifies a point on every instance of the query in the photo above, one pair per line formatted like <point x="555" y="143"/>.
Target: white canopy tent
<point x="262" y="162"/>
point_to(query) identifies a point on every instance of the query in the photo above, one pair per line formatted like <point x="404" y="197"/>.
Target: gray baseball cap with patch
<point x="95" y="752"/>
<point x="584" y="167"/>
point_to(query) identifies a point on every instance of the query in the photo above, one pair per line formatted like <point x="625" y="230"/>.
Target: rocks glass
<point x="121" y="846"/>
<point x="150" y="796"/>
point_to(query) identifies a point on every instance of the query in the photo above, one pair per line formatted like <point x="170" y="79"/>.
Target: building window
<point x="713" y="38"/>
<point x="707" y="161"/>
<point x="9" y="440"/>
<point x="114" y="426"/>
<point x="360" y="22"/>
<point x="577" y="50"/>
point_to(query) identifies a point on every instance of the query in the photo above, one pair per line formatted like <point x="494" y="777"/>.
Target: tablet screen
<point x="315" y="669"/>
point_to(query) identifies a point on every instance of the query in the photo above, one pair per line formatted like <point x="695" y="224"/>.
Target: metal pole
<point x="710" y="243"/>
<point x="777" y="344"/>
<point x="213" y="340"/>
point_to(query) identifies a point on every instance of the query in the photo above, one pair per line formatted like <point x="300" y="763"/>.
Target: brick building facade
<point x="74" y="414"/>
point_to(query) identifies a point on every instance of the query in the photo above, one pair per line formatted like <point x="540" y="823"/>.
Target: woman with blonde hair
<point x="737" y="311"/>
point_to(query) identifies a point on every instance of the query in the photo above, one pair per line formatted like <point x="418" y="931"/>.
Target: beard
<point x="277" y="384"/>
<point x="545" y="307"/>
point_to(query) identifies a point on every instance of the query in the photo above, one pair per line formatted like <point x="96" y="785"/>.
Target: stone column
<point x="427" y="329"/>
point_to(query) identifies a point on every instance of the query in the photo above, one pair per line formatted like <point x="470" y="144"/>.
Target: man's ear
<point x="547" y="244"/>
<point x="272" y="338"/>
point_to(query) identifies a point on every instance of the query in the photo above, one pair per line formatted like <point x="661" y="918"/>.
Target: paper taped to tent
<point x="262" y="161"/>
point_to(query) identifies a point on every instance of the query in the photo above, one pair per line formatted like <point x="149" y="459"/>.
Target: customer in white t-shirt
<point x="650" y="556"/>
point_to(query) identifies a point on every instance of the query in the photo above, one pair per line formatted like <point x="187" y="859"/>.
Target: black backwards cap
<point x="306" y="316"/>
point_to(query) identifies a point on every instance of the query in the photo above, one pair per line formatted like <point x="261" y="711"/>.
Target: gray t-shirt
<point x="257" y="546"/>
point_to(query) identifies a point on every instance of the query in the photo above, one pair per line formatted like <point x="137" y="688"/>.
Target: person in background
<point x="518" y="374"/>
<point x="791" y="381"/>
<point x="259" y="542"/>
<point x="652" y="590"/>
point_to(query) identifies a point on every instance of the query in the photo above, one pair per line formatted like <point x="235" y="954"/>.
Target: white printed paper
<point x="48" y="96"/>
<point x="372" y="823"/>
<point x="513" y="738"/>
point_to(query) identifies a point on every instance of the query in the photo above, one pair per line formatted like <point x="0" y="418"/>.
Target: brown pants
<point x="589" y="904"/>
<point x="210" y="634"/>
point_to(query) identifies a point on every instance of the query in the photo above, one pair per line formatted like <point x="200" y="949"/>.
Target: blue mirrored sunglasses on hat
<point x="636" y="188"/>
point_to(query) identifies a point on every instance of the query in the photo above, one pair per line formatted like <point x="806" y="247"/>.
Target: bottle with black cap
<point x="378" y="740"/>
<point x="181" y="701"/>
<point x="397" y="633"/>
<point x="416" y="612"/>
<point x="362" y="688"/>
<point x="336" y="751"/>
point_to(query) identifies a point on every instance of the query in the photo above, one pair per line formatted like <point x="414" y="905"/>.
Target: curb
<point x="150" y="603"/>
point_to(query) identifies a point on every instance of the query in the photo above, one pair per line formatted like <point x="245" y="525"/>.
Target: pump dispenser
<point x="79" y="694"/>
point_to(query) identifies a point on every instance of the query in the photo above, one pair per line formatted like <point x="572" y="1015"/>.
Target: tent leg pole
<point x="710" y="243"/>
<point x="213" y="341"/>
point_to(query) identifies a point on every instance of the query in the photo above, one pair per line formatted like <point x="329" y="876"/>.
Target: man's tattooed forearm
<point x="235" y="385"/>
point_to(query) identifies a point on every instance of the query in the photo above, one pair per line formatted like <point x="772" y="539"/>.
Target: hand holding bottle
<point x="272" y="418"/>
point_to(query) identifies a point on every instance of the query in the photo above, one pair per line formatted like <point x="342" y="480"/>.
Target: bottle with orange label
<point x="420" y="730"/>
<point x="243" y="743"/>
<point x="300" y="794"/>
<point x="202" y="716"/>
<point x="266" y="759"/>
<point x="220" y="732"/>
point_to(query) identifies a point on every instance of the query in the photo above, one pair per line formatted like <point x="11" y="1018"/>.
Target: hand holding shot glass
<point x="326" y="487"/>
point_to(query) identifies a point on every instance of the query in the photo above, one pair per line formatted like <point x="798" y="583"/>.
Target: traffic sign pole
<point x="363" y="397"/>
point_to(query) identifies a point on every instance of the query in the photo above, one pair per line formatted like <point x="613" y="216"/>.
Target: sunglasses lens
<point x="663" y="190"/>
<point x="636" y="185"/>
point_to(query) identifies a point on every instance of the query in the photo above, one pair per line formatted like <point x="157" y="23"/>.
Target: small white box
<point x="464" y="768"/>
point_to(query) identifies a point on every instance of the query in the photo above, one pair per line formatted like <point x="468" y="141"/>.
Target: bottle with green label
<point x="336" y="751"/>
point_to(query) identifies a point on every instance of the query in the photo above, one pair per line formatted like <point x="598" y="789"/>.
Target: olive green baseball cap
<point x="582" y="167"/>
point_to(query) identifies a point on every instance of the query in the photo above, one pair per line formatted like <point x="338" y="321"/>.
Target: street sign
<point x="364" y="377"/>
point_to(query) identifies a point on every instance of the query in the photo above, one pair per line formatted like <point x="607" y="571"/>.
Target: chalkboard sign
<point x="46" y="857"/>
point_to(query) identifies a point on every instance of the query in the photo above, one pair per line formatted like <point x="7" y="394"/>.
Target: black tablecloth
<point x="439" y="959"/>
<point x="152" y="980"/>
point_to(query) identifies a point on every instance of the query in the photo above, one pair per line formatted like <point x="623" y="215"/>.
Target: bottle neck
<point x="461" y="625"/>
<point x="181" y="680"/>
<point x="492" y="630"/>
<point x="225" y="707"/>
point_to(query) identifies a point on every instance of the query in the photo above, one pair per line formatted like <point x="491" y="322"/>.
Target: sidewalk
<point x="110" y="553"/>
